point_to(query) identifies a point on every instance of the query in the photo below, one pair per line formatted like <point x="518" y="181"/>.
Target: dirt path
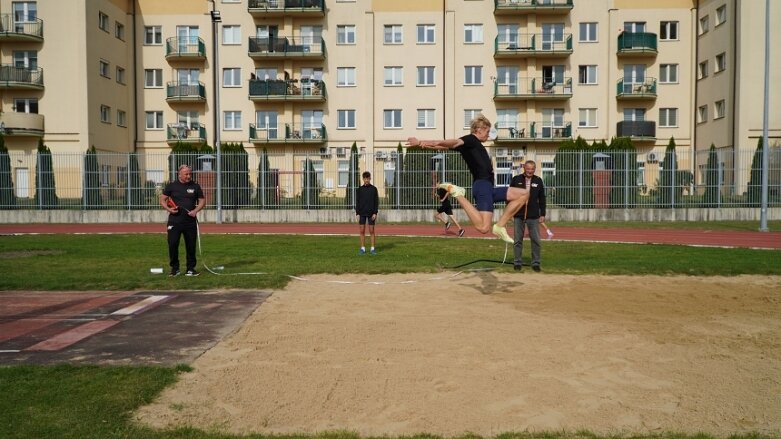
<point x="494" y="352"/>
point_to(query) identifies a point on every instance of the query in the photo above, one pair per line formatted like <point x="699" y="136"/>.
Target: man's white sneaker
<point x="501" y="233"/>
<point x="455" y="191"/>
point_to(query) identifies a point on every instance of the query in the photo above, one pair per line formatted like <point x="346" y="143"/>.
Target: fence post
<point x="83" y="184"/>
<point x="626" y="179"/>
<point x="673" y="185"/>
<point x="580" y="179"/>
<point x="127" y="183"/>
<point x="40" y="181"/>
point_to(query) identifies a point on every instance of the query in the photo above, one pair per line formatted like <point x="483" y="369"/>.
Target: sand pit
<point x="494" y="352"/>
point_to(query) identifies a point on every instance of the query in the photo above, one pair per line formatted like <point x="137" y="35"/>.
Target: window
<point x="504" y="171"/>
<point x="702" y="114"/>
<point x="121" y="118"/>
<point x="343" y="168"/>
<point x="391" y="119"/>
<point x="153" y="78"/>
<point x="345" y="34"/>
<point x="426" y="118"/>
<point x="721" y="62"/>
<point x="718" y="109"/>
<point x="29" y="106"/>
<point x="473" y="75"/>
<point x="473" y="33"/>
<point x="588" y="32"/>
<point x="668" y="117"/>
<point x="345" y="76"/>
<point x="393" y="75"/>
<point x="119" y="30"/>
<point x="345" y="119"/>
<point x="704" y="25"/>
<point x="668" y="30"/>
<point x="154" y="120"/>
<point x="668" y="73"/>
<point x="231" y="34"/>
<point x="105" y="114"/>
<point x="232" y="120"/>
<point x="120" y="75"/>
<point x="587" y="74"/>
<point x="588" y="117"/>
<point x="470" y="114"/>
<point x="426" y="34"/>
<point x="266" y="73"/>
<point x="721" y="14"/>
<point x="153" y="35"/>
<point x="702" y="70"/>
<point x="104" y="66"/>
<point x="425" y="75"/>
<point x="507" y="34"/>
<point x="231" y="77"/>
<point x="103" y="21"/>
<point x="393" y="34"/>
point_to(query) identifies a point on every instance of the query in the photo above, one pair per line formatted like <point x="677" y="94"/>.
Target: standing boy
<point x="182" y="199"/>
<point x="367" y="203"/>
<point x="531" y="215"/>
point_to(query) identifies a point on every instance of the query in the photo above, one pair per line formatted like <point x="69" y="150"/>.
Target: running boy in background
<point x="367" y="204"/>
<point x="447" y="209"/>
<point x="483" y="190"/>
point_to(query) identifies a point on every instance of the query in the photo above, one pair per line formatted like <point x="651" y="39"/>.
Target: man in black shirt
<point x="182" y="199"/>
<point x="367" y="204"/>
<point x="531" y="215"/>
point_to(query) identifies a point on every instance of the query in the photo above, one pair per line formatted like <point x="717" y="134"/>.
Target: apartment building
<point x="318" y="75"/>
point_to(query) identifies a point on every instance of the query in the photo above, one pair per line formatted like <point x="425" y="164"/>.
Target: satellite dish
<point x="492" y="133"/>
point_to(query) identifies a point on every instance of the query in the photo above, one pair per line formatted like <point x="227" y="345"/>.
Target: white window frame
<point x="426" y="76"/>
<point x="473" y="33"/>
<point x="231" y="35"/>
<point x="702" y="70"/>
<point x="721" y="15"/>
<point x="703" y="25"/>
<point x="426" y="34"/>
<point x="121" y="118"/>
<point x="702" y="114"/>
<point x="394" y="116"/>
<point x="156" y="76"/>
<point x="231" y="77"/>
<point x="469" y="114"/>
<point x="105" y="114"/>
<point x="345" y="119"/>
<point x="157" y="120"/>
<point x="720" y="64"/>
<point x="119" y="31"/>
<point x="103" y="21"/>
<point x="153" y="35"/>
<point x="345" y="34"/>
<point x="587" y="118"/>
<point x="665" y="116"/>
<point x="719" y="109"/>
<point x="345" y="76"/>
<point x="120" y="75"/>
<point x="666" y="71"/>
<point x="589" y="70"/>
<point x="669" y="31"/>
<point x="427" y="118"/>
<point x="394" y="74"/>
<point x="393" y="34"/>
<point x="343" y="173"/>
<point x="585" y="32"/>
<point x="104" y="67"/>
<point x="473" y="75"/>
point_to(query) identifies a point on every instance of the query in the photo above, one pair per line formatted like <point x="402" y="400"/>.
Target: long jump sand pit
<point x="494" y="352"/>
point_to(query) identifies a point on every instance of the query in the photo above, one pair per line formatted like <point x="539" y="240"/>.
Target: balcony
<point x="21" y="124"/>
<point x="523" y="7"/>
<point x="290" y="90"/>
<point x="626" y="90"/>
<point x="637" y="44"/>
<point x="636" y="129"/>
<point x="21" y="78"/>
<point x="182" y="132"/>
<point x="532" y="45"/>
<point x="278" y="8"/>
<point x="288" y="133"/>
<point x="28" y="30"/>
<point x="287" y="47"/>
<point x="533" y="89"/>
<point x="535" y="132"/>
<point x="185" y="49"/>
<point x="185" y="92"/>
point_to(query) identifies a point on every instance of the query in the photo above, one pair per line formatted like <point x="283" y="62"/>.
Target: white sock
<point x="372" y="248"/>
<point x="363" y="248"/>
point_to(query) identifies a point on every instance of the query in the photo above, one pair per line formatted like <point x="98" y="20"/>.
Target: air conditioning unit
<point x="324" y="153"/>
<point x="651" y="158"/>
<point x="341" y="152"/>
<point x="381" y="155"/>
<point x="517" y="153"/>
<point x="501" y="152"/>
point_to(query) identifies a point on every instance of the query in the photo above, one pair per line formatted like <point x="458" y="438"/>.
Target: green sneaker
<point x="501" y="233"/>
<point x="455" y="191"/>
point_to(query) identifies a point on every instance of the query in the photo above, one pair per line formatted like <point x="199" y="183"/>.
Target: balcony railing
<point x="518" y="7"/>
<point x="21" y="77"/>
<point x="637" y="129"/>
<point x="27" y="30"/>
<point x="637" y="43"/>
<point x="287" y="47"/>
<point x="281" y="132"/>
<point x="523" y="45"/>
<point x="533" y="88"/>
<point x="534" y="132"/>
<point x="286" y="7"/>
<point x="21" y="124"/>
<point x="185" y="91"/>
<point x="293" y="89"/>
<point x="185" y="48"/>
<point x="182" y="132"/>
<point x="636" y="90"/>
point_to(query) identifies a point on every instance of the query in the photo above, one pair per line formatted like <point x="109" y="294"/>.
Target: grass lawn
<point x="67" y="401"/>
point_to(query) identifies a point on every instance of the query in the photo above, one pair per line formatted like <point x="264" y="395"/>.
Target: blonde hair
<point x="479" y="122"/>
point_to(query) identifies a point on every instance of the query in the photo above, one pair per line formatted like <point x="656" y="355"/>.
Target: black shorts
<point x="363" y="219"/>
<point x="447" y="209"/>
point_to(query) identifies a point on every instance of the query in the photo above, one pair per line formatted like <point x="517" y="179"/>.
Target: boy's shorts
<point x="485" y="195"/>
<point x="363" y="219"/>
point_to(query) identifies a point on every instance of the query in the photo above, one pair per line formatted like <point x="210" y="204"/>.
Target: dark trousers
<point x="175" y="232"/>
<point x="533" y="225"/>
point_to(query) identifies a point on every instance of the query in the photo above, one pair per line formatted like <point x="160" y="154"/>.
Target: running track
<point x="743" y="239"/>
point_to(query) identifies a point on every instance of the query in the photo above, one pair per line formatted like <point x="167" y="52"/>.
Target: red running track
<point x="742" y="239"/>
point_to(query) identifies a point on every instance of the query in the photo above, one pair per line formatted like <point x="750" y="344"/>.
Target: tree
<point x="573" y="183"/>
<point x="267" y="186"/>
<point x="7" y="195"/>
<point x="353" y="177"/>
<point x="712" y="184"/>
<point x="391" y="189"/>
<point x="135" y="189"/>
<point x="92" y="198"/>
<point x="310" y="192"/>
<point x="45" y="191"/>
<point x="669" y="188"/>
<point x="235" y="176"/>
<point x="623" y="156"/>
<point x="416" y="179"/>
<point x="754" y="194"/>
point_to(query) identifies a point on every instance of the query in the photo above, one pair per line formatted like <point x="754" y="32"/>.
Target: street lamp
<point x="217" y="18"/>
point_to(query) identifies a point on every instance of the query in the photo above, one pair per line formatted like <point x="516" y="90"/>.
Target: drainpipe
<point x="135" y="80"/>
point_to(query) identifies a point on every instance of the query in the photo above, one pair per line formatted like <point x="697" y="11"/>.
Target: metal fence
<point x="326" y="179"/>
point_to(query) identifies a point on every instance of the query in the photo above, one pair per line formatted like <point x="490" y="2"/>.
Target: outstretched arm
<point x="435" y="144"/>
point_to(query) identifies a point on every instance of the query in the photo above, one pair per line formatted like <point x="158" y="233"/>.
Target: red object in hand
<point x="171" y="204"/>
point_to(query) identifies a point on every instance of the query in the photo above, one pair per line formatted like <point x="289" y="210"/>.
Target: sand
<point x="494" y="352"/>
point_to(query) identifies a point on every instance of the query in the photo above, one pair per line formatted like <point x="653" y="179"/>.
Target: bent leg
<point x="516" y="198"/>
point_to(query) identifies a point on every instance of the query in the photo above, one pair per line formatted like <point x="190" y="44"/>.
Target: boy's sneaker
<point x="447" y="225"/>
<point x="501" y="233"/>
<point x="461" y="232"/>
<point x="192" y="273"/>
<point x="361" y="252"/>
<point x="455" y="191"/>
<point x="373" y="252"/>
<point x="174" y="272"/>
